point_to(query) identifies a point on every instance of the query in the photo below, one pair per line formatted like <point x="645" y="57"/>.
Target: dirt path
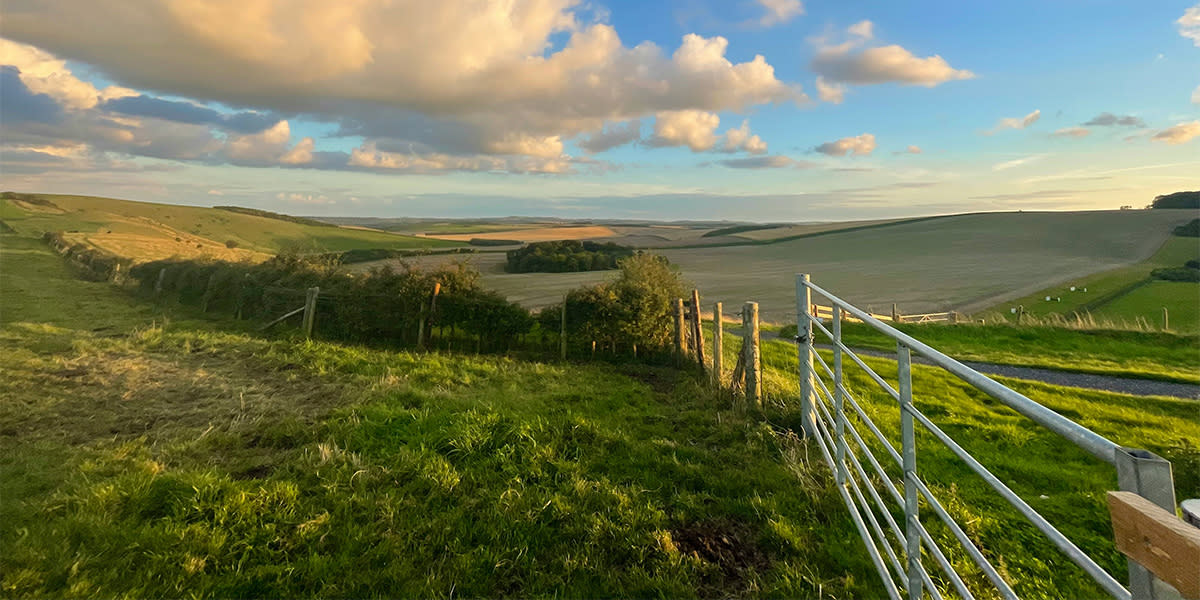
<point x="1105" y="383"/>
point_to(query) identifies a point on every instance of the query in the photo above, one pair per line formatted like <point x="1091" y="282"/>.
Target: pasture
<point x="146" y="231"/>
<point x="160" y="454"/>
<point x="963" y="262"/>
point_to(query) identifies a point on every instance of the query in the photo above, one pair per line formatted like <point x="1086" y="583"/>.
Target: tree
<point x="1177" y="200"/>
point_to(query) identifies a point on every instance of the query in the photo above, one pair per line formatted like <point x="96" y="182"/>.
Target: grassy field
<point x="923" y="266"/>
<point x="1150" y="355"/>
<point x="143" y="456"/>
<point x="1102" y="298"/>
<point x="147" y="231"/>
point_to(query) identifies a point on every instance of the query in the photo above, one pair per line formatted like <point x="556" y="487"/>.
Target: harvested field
<point x="934" y="265"/>
<point x="538" y="234"/>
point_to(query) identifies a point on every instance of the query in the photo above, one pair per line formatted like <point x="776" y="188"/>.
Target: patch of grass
<point x="1181" y="299"/>
<point x="1142" y="354"/>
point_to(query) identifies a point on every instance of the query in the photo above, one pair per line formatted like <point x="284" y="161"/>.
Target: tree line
<point x="566" y="256"/>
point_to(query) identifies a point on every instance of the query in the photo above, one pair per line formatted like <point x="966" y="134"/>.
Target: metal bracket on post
<point x="1149" y="476"/>
<point x="804" y="350"/>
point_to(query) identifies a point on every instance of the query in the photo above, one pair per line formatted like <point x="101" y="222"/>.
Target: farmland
<point x="964" y="262"/>
<point x="155" y="457"/>
<point x="145" y="231"/>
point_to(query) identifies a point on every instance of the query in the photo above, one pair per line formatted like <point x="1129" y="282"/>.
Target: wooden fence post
<point x="895" y="314"/>
<point x="680" y="342"/>
<point x="207" y="293"/>
<point x="158" y="285"/>
<point x="1166" y="319"/>
<point x="562" y="332"/>
<point x="753" y="355"/>
<point x="698" y="329"/>
<point x="718" y="338"/>
<point x="310" y="311"/>
<point x="425" y="325"/>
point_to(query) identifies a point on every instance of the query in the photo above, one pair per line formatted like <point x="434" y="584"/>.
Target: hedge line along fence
<point x="92" y="262"/>
<point x="385" y="304"/>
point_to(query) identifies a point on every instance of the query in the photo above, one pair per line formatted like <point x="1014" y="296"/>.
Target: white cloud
<point x="1179" y="133"/>
<point x="1196" y="95"/>
<point x="1189" y="24"/>
<point x="742" y="139"/>
<point x="858" y="145"/>
<point x="1016" y="122"/>
<point x="1010" y="164"/>
<point x="760" y="162"/>
<point x="480" y="77"/>
<point x="300" y="154"/>
<point x="779" y="11"/>
<point x="847" y="62"/>
<point x="912" y="150"/>
<point x="830" y="92"/>
<point x="695" y="129"/>
<point x="369" y="156"/>
<point x="1075" y="132"/>
<point x="43" y="73"/>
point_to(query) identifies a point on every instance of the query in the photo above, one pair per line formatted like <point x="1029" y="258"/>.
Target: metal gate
<point x="899" y="551"/>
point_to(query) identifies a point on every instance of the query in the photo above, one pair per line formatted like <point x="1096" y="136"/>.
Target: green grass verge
<point x="1140" y="354"/>
<point x="1180" y="298"/>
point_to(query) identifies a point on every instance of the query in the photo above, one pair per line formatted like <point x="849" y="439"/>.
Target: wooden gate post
<point x="698" y="329"/>
<point x="753" y="355"/>
<point x="425" y="324"/>
<point x="1166" y="319"/>
<point x="680" y="342"/>
<point x="895" y="314"/>
<point x="718" y="338"/>
<point x="310" y="311"/>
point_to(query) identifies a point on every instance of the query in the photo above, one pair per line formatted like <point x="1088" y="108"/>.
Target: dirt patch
<point x="728" y="545"/>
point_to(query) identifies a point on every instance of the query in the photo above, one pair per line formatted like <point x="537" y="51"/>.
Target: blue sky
<point x="749" y="110"/>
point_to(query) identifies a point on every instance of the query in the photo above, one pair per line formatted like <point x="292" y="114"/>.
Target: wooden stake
<point x="680" y="342"/>
<point x="718" y="340"/>
<point x="1166" y="319"/>
<point x="207" y="293"/>
<point x="162" y="274"/>
<point x="895" y="314"/>
<point x="310" y="311"/>
<point x="753" y="355"/>
<point x="424" y="323"/>
<point x="698" y="329"/>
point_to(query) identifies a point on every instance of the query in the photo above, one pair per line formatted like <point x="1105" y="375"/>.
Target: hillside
<point x="148" y="231"/>
<point x="200" y="457"/>
<point x="923" y="265"/>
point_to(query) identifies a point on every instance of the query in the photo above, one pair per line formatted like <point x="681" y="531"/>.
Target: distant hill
<point x="148" y="231"/>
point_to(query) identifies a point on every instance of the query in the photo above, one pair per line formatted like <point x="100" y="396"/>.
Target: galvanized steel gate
<point x="830" y="411"/>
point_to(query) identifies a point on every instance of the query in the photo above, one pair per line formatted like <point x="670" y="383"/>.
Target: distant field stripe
<point x="814" y="234"/>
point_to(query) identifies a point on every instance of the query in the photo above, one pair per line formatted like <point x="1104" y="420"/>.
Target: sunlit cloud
<point x="1178" y="134"/>
<point x="858" y="145"/>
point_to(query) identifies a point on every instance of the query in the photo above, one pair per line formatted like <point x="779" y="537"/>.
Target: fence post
<point x="753" y="356"/>
<point x="1166" y="321"/>
<point x="562" y="332"/>
<point x="424" y="322"/>
<point x="718" y="342"/>
<point x="839" y="395"/>
<point x="895" y="314"/>
<point x="908" y="454"/>
<point x="207" y="293"/>
<point x="158" y="285"/>
<point x="1149" y="476"/>
<point x="804" y="341"/>
<point x="680" y="342"/>
<point x="310" y="311"/>
<point x="698" y="329"/>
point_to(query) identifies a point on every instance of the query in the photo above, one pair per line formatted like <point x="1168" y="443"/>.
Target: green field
<point x="955" y="262"/>
<point x="147" y="454"/>
<point x="1105" y="295"/>
<point x="142" y="227"/>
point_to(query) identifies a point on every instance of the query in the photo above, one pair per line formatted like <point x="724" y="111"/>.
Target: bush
<point x="1176" y="274"/>
<point x="487" y="242"/>
<point x="231" y="244"/>
<point x="1191" y="229"/>
<point x="635" y="309"/>
<point x="566" y="256"/>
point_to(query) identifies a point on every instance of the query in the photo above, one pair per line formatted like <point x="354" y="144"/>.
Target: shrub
<point x="635" y="309"/>
<point x="1176" y="274"/>
<point x="487" y="242"/>
<point x="231" y="244"/>
<point x="1191" y="229"/>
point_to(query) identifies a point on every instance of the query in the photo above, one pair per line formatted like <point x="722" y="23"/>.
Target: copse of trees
<point x="1177" y="200"/>
<point x="386" y="304"/>
<point x="1190" y="229"/>
<point x="566" y="256"/>
<point x="631" y="313"/>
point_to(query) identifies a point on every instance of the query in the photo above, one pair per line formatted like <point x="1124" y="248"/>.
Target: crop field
<point x="145" y="456"/>
<point x="960" y="263"/>
<point x="532" y="234"/>
<point x="145" y="231"/>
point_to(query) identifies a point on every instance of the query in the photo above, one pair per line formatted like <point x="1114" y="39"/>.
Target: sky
<point x="747" y="110"/>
